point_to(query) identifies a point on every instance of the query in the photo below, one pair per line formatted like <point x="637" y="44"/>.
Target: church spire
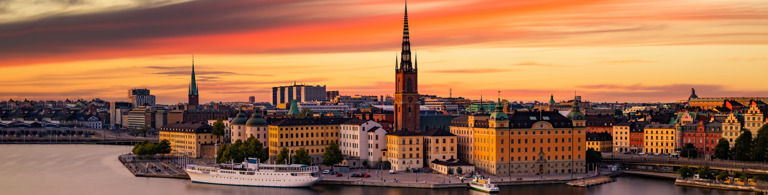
<point x="193" y="84"/>
<point x="405" y="55"/>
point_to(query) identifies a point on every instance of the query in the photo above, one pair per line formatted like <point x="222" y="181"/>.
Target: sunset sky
<point x="606" y="51"/>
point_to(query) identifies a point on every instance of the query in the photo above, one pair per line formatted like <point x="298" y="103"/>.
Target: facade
<point x="439" y="145"/>
<point x="703" y="136"/>
<point x="243" y="128"/>
<point x="731" y="129"/>
<point x="300" y="93"/>
<point x="190" y="139"/>
<point x="140" y="97"/>
<point x="636" y="137"/>
<point x="600" y="142"/>
<point x="621" y="137"/>
<point x="196" y="115"/>
<point x="318" y="108"/>
<point x="600" y="123"/>
<point x="313" y="134"/>
<point x="404" y="150"/>
<point x="464" y="127"/>
<point x="363" y="140"/>
<point x="135" y="118"/>
<point x="524" y="143"/>
<point x="753" y="119"/>
<point x="442" y="167"/>
<point x="659" y="138"/>
<point x="116" y="112"/>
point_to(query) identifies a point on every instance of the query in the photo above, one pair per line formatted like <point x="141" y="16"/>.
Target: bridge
<point x="658" y="163"/>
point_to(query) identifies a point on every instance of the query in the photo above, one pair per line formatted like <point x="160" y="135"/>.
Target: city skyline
<point x="622" y="54"/>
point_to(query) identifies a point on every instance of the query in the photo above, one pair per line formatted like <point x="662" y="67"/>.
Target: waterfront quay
<point x="162" y="167"/>
<point x="69" y="136"/>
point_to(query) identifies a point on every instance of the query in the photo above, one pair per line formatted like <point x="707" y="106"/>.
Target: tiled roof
<point x="193" y="127"/>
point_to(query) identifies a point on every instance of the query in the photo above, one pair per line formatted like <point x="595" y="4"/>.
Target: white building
<point x="362" y="139"/>
<point x="243" y="128"/>
<point x="319" y="108"/>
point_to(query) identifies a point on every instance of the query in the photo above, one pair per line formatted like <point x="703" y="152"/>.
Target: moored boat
<point x="253" y="173"/>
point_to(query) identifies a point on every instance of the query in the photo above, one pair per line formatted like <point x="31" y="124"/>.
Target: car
<point x="339" y="175"/>
<point x="366" y="176"/>
<point x="327" y="171"/>
<point x="641" y="153"/>
<point x="354" y="175"/>
<point x="392" y="172"/>
<point x="627" y="152"/>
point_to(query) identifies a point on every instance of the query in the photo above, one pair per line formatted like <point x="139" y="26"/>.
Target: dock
<point x="591" y="181"/>
<point x="161" y="168"/>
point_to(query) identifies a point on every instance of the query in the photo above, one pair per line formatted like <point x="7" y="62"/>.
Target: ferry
<point x="253" y="173"/>
<point x="483" y="185"/>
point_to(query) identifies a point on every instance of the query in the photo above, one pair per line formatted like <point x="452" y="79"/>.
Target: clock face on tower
<point x="410" y="99"/>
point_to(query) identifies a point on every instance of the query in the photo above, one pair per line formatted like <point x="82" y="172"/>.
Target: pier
<point x="591" y="181"/>
<point x="153" y="167"/>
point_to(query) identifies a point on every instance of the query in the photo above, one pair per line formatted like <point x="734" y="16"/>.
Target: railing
<point x="684" y="161"/>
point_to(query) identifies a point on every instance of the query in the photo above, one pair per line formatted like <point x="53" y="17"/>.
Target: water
<point x="94" y="169"/>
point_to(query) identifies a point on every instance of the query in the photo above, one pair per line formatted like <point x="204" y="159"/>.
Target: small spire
<point x="416" y="60"/>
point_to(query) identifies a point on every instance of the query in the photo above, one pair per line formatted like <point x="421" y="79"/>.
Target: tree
<point x="218" y="128"/>
<point x="282" y="157"/>
<point x="722" y="176"/>
<point x="742" y="148"/>
<point x="220" y="158"/>
<point x="142" y="130"/>
<point x="689" y="151"/>
<point x="705" y="173"/>
<point x="332" y="155"/>
<point x="459" y="171"/>
<point x="306" y="113"/>
<point x="450" y="171"/>
<point x="149" y="148"/>
<point x="365" y="163"/>
<point x="593" y="157"/>
<point x="685" y="172"/>
<point x="723" y="150"/>
<point x="164" y="147"/>
<point x="761" y="144"/>
<point x="301" y="156"/>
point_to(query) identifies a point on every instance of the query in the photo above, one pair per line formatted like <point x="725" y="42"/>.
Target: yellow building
<point x="525" y="143"/>
<point x="190" y="139"/>
<point x="440" y="145"/>
<point x="464" y="127"/>
<point x="405" y="150"/>
<point x="600" y="142"/>
<point x="753" y="119"/>
<point x="621" y="137"/>
<point x="731" y="129"/>
<point x="314" y="134"/>
<point x="659" y="138"/>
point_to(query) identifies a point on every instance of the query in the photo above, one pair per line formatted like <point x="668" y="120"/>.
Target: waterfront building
<point x="753" y="119"/>
<point x="732" y="128"/>
<point x="140" y="97"/>
<point x="621" y="137"/>
<point x="404" y="150"/>
<point x="442" y="167"/>
<point x="244" y="128"/>
<point x="464" y="127"/>
<point x="524" y="143"/>
<point x="193" y="95"/>
<point x="659" y="138"/>
<point x="191" y="139"/>
<point x="703" y="136"/>
<point x="313" y="134"/>
<point x="116" y="112"/>
<point x="708" y="103"/>
<point x="439" y="144"/>
<point x="636" y="136"/>
<point x="300" y="93"/>
<point x="362" y="139"/>
<point x="600" y="142"/>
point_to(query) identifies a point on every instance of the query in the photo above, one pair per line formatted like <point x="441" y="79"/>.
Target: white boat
<point x="483" y="185"/>
<point x="253" y="173"/>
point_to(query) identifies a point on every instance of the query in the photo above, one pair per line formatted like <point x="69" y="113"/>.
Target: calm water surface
<point x="94" y="169"/>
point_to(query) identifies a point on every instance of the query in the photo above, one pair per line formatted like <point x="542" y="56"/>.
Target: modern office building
<point x="140" y="97"/>
<point x="300" y="93"/>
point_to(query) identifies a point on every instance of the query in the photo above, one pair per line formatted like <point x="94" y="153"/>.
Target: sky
<point x="602" y="50"/>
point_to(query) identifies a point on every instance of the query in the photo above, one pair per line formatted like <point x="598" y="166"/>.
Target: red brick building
<point x="600" y="123"/>
<point x="703" y="136"/>
<point x="637" y="136"/>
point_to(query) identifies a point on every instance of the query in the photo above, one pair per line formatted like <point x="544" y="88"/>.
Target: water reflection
<point x="94" y="169"/>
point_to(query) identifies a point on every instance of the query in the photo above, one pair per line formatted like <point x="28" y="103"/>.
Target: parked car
<point x="339" y="175"/>
<point x="392" y="172"/>
<point x="327" y="171"/>
<point x="366" y="176"/>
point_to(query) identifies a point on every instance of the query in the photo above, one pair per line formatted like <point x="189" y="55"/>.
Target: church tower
<point x="406" y="86"/>
<point x="193" y="95"/>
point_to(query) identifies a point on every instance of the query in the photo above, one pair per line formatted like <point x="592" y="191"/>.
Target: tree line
<point x="745" y="148"/>
<point x="149" y="148"/>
